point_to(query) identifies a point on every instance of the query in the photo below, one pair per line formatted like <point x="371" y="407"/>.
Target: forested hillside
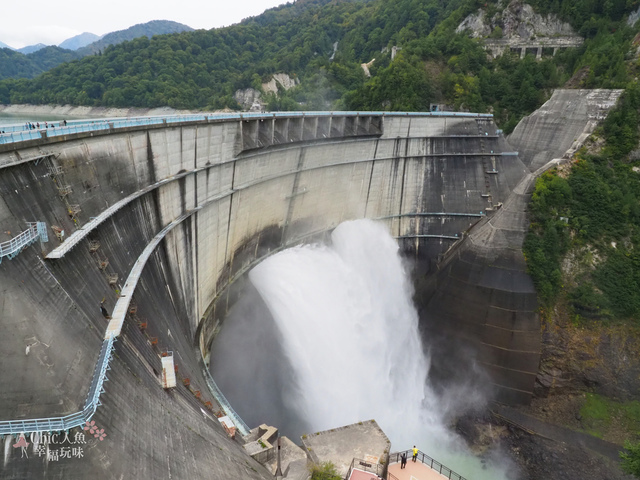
<point x="29" y="63"/>
<point x="18" y="65"/>
<point x="584" y="244"/>
<point x="202" y="69"/>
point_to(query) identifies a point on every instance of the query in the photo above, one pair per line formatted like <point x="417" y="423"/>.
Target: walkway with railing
<point x="58" y="424"/>
<point x="19" y="133"/>
<point x="435" y="468"/>
<point x="224" y="403"/>
<point x="106" y="353"/>
<point x="358" y="465"/>
<point x="11" y="248"/>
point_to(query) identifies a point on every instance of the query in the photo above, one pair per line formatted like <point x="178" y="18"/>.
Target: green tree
<point x="324" y="471"/>
<point x="631" y="459"/>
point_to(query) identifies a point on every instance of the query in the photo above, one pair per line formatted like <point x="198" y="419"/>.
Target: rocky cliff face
<point x="281" y="79"/>
<point x="517" y="21"/>
<point x="250" y="99"/>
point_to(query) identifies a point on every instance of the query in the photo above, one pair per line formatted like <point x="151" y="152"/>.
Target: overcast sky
<point x="53" y="21"/>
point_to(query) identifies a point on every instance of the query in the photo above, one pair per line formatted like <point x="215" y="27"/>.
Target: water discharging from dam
<point x="345" y="347"/>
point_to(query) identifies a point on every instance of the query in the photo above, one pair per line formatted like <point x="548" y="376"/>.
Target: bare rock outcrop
<point x="251" y="100"/>
<point x="248" y="99"/>
<point x="279" y="79"/>
<point x="517" y="21"/>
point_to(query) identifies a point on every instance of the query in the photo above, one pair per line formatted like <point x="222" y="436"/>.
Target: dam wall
<point x="480" y="308"/>
<point x="233" y="191"/>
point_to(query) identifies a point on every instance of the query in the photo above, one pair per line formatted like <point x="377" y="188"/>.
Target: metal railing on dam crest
<point x="25" y="132"/>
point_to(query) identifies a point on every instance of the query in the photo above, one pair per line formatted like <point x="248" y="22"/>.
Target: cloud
<point x="33" y="34"/>
<point x="52" y="23"/>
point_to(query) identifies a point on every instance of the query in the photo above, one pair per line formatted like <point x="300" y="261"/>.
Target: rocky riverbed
<point x="583" y="411"/>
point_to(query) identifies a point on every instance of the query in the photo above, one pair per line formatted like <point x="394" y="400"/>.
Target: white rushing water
<point x="350" y="331"/>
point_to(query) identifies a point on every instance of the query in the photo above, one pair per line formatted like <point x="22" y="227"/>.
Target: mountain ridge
<point x="147" y="29"/>
<point x="79" y="41"/>
<point x="51" y="56"/>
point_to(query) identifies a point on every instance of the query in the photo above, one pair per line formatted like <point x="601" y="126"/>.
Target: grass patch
<point x="596" y="414"/>
<point x="600" y="415"/>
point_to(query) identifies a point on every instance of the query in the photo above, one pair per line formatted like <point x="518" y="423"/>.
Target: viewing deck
<point x="413" y="471"/>
<point x="424" y="468"/>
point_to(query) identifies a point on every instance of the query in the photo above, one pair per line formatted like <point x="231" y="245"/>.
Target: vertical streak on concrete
<point x="402" y="180"/>
<point x="152" y="176"/>
<point x="196" y="274"/>
<point x="292" y="198"/>
<point x="233" y="179"/>
<point x="181" y="149"/>
<point x="150" y="163"/>
<point x="420" y="202"/>
<point x="182" y="186"/>
<point x="273" y="130"/>
<point x="133" y="163"/>
<point x="373" y="165"/>
<point x="194" y="248"/>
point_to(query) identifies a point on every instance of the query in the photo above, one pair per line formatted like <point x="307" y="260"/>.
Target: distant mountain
<point x="14" y="64"/>
<point x="31" y="48"/>
<point x="79" y="41"/>
<point x="31" y="61"/>
<point x="149" y="29"/>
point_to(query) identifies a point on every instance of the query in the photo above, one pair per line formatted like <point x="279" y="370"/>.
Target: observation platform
<point x="413" y="471"/>
<point x="362" y="440"/>
<point x="424" y="468"/>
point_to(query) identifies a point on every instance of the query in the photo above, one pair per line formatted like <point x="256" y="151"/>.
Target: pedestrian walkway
<point x="424" y="468"/>
<point x="556" y="432"/>
<point x="413" y="471"/>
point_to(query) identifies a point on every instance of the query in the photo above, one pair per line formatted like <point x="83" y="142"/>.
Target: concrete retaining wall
<point x="253" y="200"/>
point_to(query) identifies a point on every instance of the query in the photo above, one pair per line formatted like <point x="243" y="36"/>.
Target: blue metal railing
<point x="19" y="133"/>
<point x="100" y="375"/>
<point x="224" y="403"/>
<point x="57" y="424"/>
<point x="358" y="464"/>
<point x="13" y="247"/>
<point x="428" y="461"/>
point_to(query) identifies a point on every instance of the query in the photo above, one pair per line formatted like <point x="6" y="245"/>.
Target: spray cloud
<point x="348" y="346"/>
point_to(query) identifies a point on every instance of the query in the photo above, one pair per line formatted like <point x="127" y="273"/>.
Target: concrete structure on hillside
<point x="151" y="220"/>
<point x="539" y="47"/>
<point x="517" y="28"/>
<point x="364" y="441"/>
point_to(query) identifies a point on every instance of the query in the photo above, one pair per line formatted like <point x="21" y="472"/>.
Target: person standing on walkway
<point x="403" y="460"/>
<point x="415" y="453"/>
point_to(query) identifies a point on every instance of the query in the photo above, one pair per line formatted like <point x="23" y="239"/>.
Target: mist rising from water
<point x="347" y="347"/>
<point x="350" y="331"/>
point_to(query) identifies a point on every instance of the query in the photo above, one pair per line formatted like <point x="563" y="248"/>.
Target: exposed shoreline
<point x="88" y="112"/>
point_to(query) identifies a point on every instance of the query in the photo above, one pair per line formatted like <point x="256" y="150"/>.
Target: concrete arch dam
<point x="158" y="219"/>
